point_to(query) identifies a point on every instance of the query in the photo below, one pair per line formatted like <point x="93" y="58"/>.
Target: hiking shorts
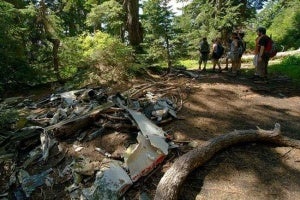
<point x="234" y="57"/>
<point x="203" y="57"/>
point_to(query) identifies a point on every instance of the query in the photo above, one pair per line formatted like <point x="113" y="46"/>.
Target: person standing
<point x="217" y="53"/>
<point x="242" y="49"/>
<point x="227" y="58"/>
<point x="234" y="53"/>
<point x="262" y="56"/>
<point x="204" y="52"/>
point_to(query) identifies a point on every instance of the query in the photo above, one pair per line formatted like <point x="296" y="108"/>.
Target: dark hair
<point x="261" y="30"/>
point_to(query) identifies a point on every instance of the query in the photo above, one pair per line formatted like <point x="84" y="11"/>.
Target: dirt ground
<point x="215" y="104"/>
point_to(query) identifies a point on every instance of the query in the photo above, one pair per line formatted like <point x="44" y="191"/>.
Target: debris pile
<point x="60" y="136"/>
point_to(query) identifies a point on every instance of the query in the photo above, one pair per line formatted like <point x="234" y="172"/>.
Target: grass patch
<point x="291" y="71"/>
<point x="193" y="64"/>
<point x="289" y="66"/>
<point x="189" y="64"/>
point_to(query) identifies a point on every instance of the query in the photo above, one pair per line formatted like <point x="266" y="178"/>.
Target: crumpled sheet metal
<point x="46" y="144"/>
<point x="151" y="149"/>
<point x="68" y="97"/>
<point x="166" y="103"/>
<point x="110" y="183"/>
<point x="155" y="134"/>
<point x="142" y="158"/>
<point x="159" y="107"/>
<point x="30" y="183"/>
<point x="68" y="105"/>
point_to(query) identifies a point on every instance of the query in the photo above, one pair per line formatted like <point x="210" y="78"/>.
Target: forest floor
<point x="216" y="104"/>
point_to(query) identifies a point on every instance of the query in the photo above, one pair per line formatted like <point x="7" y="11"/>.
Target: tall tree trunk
<point x="56" y="43"/>
<point x="168" y="52"/>
<point x="134" y="27"/>
<point x="51" y="37"/>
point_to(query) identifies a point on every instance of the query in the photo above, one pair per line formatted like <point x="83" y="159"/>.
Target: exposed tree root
<point x="168" y="187"/>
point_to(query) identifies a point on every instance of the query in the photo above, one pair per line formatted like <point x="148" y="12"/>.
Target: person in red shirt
<point x="262" y="56"/>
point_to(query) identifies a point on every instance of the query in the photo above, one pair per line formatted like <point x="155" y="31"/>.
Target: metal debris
<point x="30" y="183"/>
<point x="155" y="134"/>
<point x="111" y="183"/>
<point x="113" y="178"/>
<point x="141" y="158"/>
<point x="77" y="148"/>
<point x="45" y="144"/>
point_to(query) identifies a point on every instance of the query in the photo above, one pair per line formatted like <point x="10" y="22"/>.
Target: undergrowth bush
<point x="108" y="58"/>
<point x="71" y="57"/>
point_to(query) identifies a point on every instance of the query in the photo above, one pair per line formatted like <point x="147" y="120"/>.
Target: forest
<point x="49" y="41"/>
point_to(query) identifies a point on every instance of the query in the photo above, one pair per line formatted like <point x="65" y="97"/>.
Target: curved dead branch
<point x="168" y="187"/>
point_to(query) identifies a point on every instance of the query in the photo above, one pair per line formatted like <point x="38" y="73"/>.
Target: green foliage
<point x="71" y="56"/>
<point x="27" y="56"/>
<point x="283" y="14"/>
<point x="160" y="41"/>
<point x="107" y="50"/>
<point x="108" y="57"/>
<point x="73" y="14"/>
<point x="26" y="52"/>
<point x="270" y="11"/>
<point x="289" y="22"/>
<point x="108" y="17"/>
<point x="291" y="60"/>
<point x="157" y="18"/>
<point x="250" y="40"/>
<point x="14" y="65"/>
<point x="155" y="52"/>
<point x="212" y="19"/>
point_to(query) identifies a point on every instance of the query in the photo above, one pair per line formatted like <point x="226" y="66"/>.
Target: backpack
<point x="271" y="48"/>
<point x="219" y="51"/>
<point x="204" y="47"/>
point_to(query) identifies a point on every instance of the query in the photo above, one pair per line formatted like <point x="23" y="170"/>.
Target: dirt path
<point x="218" y="104"/>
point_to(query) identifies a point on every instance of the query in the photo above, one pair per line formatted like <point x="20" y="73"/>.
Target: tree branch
<point x="168" y="187"/>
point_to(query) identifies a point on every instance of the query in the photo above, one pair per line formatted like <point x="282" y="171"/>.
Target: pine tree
<point x="159" y="28"/>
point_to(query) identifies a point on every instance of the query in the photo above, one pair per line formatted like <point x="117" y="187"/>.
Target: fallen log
<point x="168" y="187"/>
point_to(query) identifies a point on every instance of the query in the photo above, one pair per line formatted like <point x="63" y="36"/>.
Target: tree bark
<point x="168" y="52"/>
<point x="134" y="27"/>
<point x="168" y="187"/>
<point x="51" y="37"/>
<point x="55" y="43"/>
